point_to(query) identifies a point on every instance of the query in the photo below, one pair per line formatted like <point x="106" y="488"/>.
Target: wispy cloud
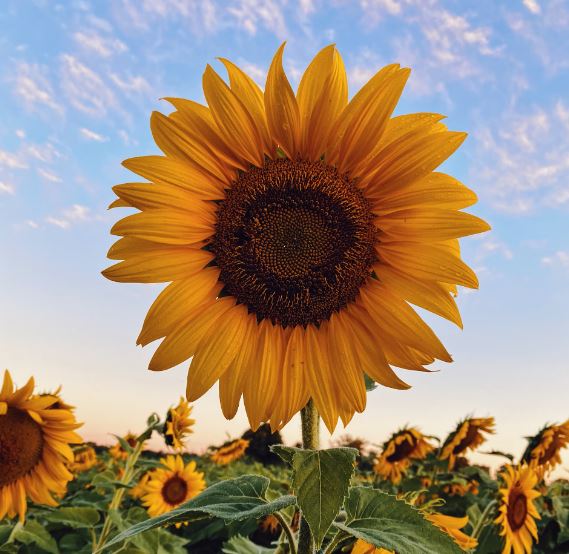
<point x="92" y="135"/>
<point x="7" y="188"/>
<point x="133" y="84"/>
<point x="92" y="41"/>
<point x="49" y="175"/>
<point x="250" y="14"/>
<point x="32" y="86"/>
<point x="558" y="259"/>
<point x="76" y="213"/>
<point x="532" y="6"/>
<point x="12" y="161"/>
<point x="46" y="153"/>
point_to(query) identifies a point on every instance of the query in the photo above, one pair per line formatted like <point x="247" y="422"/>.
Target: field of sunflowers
<point x="243" y="497"/>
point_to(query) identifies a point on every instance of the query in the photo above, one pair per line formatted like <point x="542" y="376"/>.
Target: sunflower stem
<point x="311" y="441"/>
<point x="480" y="523"/>
<point x="288" y="532"/>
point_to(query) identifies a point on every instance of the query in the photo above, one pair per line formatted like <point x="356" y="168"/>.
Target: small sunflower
<point x="171" y="486"/>
<point x="139" y="490"/>
<point x="118" y="452"/>
<point x="543" y="450"/>
<point x="399" y="451"/>
<point x="230" y="452"/>
<point x="362" y="547"/>
<point x="178" y="425"/>
<point x="452" y="526"/>
<point x="295" y="230"/>
<point x="34" y="448"/>
<point x="84" y="458"/>
<point x="517" y="510"/>
<point x="468" y="435"/>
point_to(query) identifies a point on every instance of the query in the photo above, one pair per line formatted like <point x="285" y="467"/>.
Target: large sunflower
<point x="171" y="486"/>
<point x="543" y="452"/>
<point x="295" y="229"/>
<point x="399" y="451"/>
<point x="517" y="510"/>
<point x="34" y="448"/>
<point x="468" y="435"/>
<point x="230" y="452"/>
<point x="178" y="425"/>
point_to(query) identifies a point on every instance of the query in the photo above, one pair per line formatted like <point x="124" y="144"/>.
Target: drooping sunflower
<point x="84" y="458"/>
<point x="34" y="448"/>
<point x="543" y="452"/>
<point x="230" y="452"/>
<point x="517" y="510"/>
<point x="118" y="452"/>
<point x="468" y="435"/>
<point x="294" y="230"/>
<point x="452" y="526"/>
<point x="399" y="451"/>
<point x="171" y="486"/>
<point x="178" y="425"/>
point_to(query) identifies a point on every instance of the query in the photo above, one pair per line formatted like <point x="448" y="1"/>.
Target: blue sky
<point x="79" y="81"/>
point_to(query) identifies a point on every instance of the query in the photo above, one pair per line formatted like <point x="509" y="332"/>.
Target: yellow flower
<point x="178" y="425"/>
<point x="171" y="486"/>
<point x="139" y="490"/>
<point x="362" y="547"/>
<point x="294" y="230"/>
<point x="468" y="435"/>
<point x="543" y="450"/>
<point x="399" y="451"/>
<point x="452" y="526"/>
<point x="517" y="510"/>
<point x="270" y="524"/>
<point x="117" y="451"/>
<point x="34" y="448"/>
<point x="84" y="458"/>
<point x="230" y="452"/>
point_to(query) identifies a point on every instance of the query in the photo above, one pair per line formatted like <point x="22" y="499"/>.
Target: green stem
<point x="338" y="538"/>
<point x="118" y="495"/>
<point x="310" y="441"/>
<point x="288" y="532"/>
<point x="480" y="523"/>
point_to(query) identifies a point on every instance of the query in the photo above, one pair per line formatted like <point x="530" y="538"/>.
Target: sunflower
<point x="84" y="458"/>
<point x="294" y="230"/>
<point x="543" y="450"/>
<point x="139" y="490"/>
<point x="452" y="526"/>
<point x="118" y="452"/>
<point x="230" y="452"/>
<point x="517" y="510"/>
<point x="270" y="524"/>
<point x="34" y="448"/>
<point x="362" y="547"/>
<point x="171" y="486"/>
<point x="178" y="425"/>
<point x="468" y="435"/>
<point x="399" y="451"/>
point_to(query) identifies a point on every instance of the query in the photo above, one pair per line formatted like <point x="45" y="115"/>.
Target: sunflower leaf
<point x="231" y="500"/>
<point x="74" y="517"/>
<point x="386" y="522"/>
<point x="320" y="480"/>
<point x="242" y="545"/>
<point x="35" y="533"/>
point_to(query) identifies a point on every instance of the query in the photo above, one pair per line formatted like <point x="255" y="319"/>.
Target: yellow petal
<point x="404" y="124"/>
<point x="148" y="196"/>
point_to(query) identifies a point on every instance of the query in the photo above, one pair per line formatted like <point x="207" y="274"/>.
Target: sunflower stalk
<point x="310" y="421"/>
<point x="480" y="523"/>
<point x="288" y="533"/>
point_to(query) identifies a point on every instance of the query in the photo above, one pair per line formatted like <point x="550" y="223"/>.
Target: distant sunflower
<point x="139" y="490"/>
<point x="230" y="452"/>
<point x="118" y="452"/>
<point x="178" y="425"/>
<point x="169" y="487"/>
<point x="34" y="448"/>
<point x="399" y="451"/>
<point x="270" y="524"/>
<point x="468" y="435"/>
<point x="84" y="458"/>
<point x="295" y="230"/>
<point x="517" y="510"/>
<point x="543" y="450"/>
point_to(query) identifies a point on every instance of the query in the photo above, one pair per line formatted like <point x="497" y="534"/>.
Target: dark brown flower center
<point x="403" y="449"/>
<point x="517" y="509"/>
<point x="294" y="241"/>
<point x="470" y="437"/>
<point x="175" y="490"/>
<point x="21" y="445"/>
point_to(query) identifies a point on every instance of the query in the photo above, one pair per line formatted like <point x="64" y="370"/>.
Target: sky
<point x="79" y="81"/>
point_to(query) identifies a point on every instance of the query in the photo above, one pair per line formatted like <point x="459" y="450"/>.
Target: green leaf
<point x="370" y="383"/>
<point x="386" y="522"/>
<point x="232" y="500"/>
<point x="242" y="545"/>
<point x="75" y="517"/>
<point x="286" y="453"/>
<point x="124" y="444"/>
<point x="34" y="533"/>
<point x="320" y="480"/>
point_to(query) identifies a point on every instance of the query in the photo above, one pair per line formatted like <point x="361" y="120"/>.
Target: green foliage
<point x="242" y="545"/>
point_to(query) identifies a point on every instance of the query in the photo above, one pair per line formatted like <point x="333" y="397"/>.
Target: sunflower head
<point x="35" y="434"/>
<point x="118" y="452"/>
<point x="139" y="490"/>
<point x="168" y="487"/>
<point x="543" y="450"/>
<point x="517" y="509"/>
<point x="468" y="436"/>
<point x="178" y="425"/>
<point x="229" y="452"/>
<point x="399" y="451"/>
<point x="295" y="229"/>
<point x="84" y="458"/>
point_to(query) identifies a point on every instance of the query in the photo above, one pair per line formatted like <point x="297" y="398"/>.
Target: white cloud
<point x="33" y="88"/>
<point x="249" y="14"/>
<point x="103" y="46"/>
<point x="57" y="222"/>
<point x="12" y="161"/>
<point x="92" y="135"/>
<point x="85" y="89"/>
<point x="77" y="213"/>
<point x="135" y="84"/>
<point x="7" y="188"/>
<point x="558" y="259"/>
<point x="532" y="6"/>
<point x="31" y="223"/>
<point x="49" y="175"/>
<point x="491" y="246"/>
<point x="20" y="133"/>
<point x="46" y="153"/>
